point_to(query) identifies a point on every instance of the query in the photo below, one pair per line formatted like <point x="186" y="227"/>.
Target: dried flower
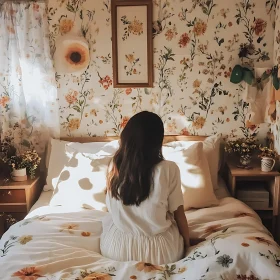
<point x="266" y="152"/>
<point x="241" y="146"/>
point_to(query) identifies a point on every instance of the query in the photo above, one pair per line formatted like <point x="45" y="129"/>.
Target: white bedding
<point x="66" y="246"/>
<point x="41" y="207"/>
<point x="62" y="242"/>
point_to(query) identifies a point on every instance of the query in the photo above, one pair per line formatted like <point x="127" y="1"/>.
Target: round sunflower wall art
<point x="72" y="54"/>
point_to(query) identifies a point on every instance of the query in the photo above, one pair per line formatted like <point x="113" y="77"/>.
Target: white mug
<point x="267" y="164"/>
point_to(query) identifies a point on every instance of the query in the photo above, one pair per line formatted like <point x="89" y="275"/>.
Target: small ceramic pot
<point x="267" y="164"/>
<point x="245" y="160"/>
<point x="19" y="175"/>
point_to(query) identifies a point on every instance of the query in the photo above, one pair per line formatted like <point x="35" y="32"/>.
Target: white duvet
<point x="66" y="246"/>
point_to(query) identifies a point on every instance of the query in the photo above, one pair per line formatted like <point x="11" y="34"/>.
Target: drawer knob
<point x="7" y="193"/>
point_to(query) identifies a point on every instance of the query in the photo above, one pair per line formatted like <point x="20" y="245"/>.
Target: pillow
<point x="91" y="147"/>
<point x="57" y="156"/>
<point x="57" y="160"/>
<point x="195" y="175"/>
<point x="82" y="182"/>
<point x="109" y="148"/>
<point x="211" y="148"/>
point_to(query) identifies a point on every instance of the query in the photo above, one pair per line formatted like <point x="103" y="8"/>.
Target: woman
<point x="147" y="221"/>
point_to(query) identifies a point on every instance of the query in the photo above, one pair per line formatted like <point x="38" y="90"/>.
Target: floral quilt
<point x="66" y="246"/>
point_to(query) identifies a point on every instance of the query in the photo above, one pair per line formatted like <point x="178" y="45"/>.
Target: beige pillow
<point x="211" y="149"/>
<point x="195" y="175"/>
<point x="82" y="182"/>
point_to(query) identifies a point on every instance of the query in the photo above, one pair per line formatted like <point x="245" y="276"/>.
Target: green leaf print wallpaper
<point x="196" y="45"/>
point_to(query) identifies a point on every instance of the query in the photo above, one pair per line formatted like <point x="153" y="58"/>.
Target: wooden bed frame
<point x="167" y="138"/>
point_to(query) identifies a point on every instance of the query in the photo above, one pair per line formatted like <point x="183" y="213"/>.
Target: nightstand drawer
<point x="13" y="207"/>
<point x="12" y="196"/>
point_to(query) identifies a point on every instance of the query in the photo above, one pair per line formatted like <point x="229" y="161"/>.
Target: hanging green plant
<point x="240" y="73"/>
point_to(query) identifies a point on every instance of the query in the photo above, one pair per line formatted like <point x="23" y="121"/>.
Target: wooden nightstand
<point x="16" y="199"/>
<point x="238" y="178"/>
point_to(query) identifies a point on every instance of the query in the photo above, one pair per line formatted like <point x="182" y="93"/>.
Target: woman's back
<point x="151" y="217"/>
<point x="143" y="193"/>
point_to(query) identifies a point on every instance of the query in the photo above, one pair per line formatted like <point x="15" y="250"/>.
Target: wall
<point x="196" y="44"/>
<point x="276" y="127"/>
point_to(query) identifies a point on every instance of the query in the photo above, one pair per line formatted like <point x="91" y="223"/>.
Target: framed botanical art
<point x="132" y="43"/>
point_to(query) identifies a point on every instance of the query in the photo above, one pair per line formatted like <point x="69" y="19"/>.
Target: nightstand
<point x="16" y="199"/>
<point x="240" y="178"/>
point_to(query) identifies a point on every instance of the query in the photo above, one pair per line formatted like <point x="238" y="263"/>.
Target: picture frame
<point x="132" y="43"/>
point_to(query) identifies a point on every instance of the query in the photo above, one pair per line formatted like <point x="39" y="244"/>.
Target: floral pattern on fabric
<point x="28" y="92"/>
<point x="12" y="241"/>
<point x="232" y="249"/>
<point x="28" y="273"/>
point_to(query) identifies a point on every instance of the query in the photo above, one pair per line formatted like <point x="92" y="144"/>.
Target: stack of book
<point x="257" y="197"/>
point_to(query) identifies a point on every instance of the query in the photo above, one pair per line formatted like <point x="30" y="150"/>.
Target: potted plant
<point x="23" y="164"/>
<point x="243" y="147"/>
<point x="18" y="167"/>
<point x="20" y="163"/>
<point x="268" y="157"/>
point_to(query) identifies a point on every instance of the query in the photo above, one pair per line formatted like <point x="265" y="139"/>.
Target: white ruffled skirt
<point x="163" y="248"/>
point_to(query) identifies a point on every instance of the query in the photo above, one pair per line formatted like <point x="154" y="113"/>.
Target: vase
<point x="19" y="175"/>
<point x="267" y="164"/>
<point x="245" y="160"/>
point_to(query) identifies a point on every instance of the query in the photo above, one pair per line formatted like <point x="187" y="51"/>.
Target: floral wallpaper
<point x="276" y="127"/>
<point x="196" y="45"/>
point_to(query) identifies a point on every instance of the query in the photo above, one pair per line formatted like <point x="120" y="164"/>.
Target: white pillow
<point x="57" y="160"/>
<point x="211" y="148"/>
<point x="91" y="147"/>
<point x="109" y="148"/>
<point x="57" y="156"/>
<point x="83" y="179"/>
<point x="82" y="182"/>
<point x="195" y="175"/>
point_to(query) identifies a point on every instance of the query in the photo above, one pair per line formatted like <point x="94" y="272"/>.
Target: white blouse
<point x="154" y="215"/>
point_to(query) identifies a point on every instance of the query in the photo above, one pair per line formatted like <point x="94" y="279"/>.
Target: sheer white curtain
<point x="28" y="93"/>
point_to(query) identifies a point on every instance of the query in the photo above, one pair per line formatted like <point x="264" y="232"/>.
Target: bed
<point x="62" y="242"/>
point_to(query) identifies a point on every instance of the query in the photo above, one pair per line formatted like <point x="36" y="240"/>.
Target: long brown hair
<point x="131" y="177"/>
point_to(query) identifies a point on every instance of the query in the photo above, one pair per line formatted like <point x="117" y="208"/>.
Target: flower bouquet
<point x="266" y="152"/>
<point x="244" y="148"/>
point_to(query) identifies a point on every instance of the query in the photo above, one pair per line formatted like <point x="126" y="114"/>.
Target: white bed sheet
<point x="64" y="243"/>
<point x="67" y="246"/>
<point x="42" y="207"/>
